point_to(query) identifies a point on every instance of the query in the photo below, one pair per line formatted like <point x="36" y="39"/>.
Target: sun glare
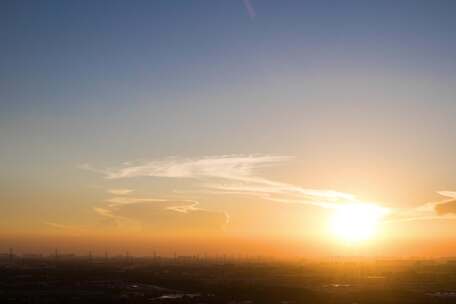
<point x="356" y="222"/>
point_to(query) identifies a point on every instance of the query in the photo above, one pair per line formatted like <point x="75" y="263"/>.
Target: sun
<point x="356" y="222"/>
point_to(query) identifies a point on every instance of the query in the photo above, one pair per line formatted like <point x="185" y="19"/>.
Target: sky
<point x="228" y="124"/>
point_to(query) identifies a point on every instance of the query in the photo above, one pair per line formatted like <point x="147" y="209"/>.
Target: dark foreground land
<point x="217" y="281"/>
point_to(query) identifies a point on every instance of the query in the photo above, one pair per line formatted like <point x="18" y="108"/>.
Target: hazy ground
<point x="195" y="280"/>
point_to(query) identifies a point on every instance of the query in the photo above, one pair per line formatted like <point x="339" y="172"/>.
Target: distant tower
<point x="90" y="256"/>
<point x="106" y="255"/>
<point x="11" y="255"/>
<point x="56" y="254"/>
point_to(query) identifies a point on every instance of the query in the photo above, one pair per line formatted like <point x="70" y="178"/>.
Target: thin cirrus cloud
<point x="236" y="175"/>
<point x="235" y="167"/>
<point x="163" y="215"/>
<point x="230" y="174"/>
<point x="126" y="200"/>
<point x="120" y="191"/>
<point x="226" y="174"/>
<point x="74" y="230"/>
<point x="442" y="209"/>
<point x="448" y="206"/>
<point x="182" y="206"/>
<point x="249" y="8"/>
<point x="56" y="225"/>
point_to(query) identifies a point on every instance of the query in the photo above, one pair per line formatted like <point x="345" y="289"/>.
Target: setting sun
<point x="356" y="222"/>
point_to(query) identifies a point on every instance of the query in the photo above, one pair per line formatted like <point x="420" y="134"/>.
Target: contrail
<point x="249" y="7"/>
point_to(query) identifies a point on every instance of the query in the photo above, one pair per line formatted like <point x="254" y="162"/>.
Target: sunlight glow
<point x="356" y="222"/>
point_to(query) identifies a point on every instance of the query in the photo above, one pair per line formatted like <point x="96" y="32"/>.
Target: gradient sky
<point x="242" y="119"/>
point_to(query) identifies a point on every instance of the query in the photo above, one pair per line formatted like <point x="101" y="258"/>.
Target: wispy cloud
<point x="74" y="230"/>
<point x="438" y="210"/>
<point x="56" y="225"/>
<point x="451" y="194"/>
<point x="283" y="192"/>
<point x="225" y="167"/>
<point x="228" y="174"/>
<point x="122" y="200"/>
<point x="120" y="191"/>
<point x="249" y="8"/>
<point x="238" y="175"/>
<point x="165" y="215"/>
<point x="448" y="206"/>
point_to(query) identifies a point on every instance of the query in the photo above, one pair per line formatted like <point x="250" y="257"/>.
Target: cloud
<point x="120" y="191"/>
<point x="223" y="167"/>
<point x="230" y="174"/>
<point x="122" y="200"/>
<point x="69" y="229"/>
<point x="164" y="216"/>
<point x="249" y="8"/>
<point x="451" y="194"/>
<point x="236" y="175"/>
<point x="443" y="209"/>
<point x="285" y="193"/>
<point x="447" y="206"/>
<point x="56" y="225"/>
